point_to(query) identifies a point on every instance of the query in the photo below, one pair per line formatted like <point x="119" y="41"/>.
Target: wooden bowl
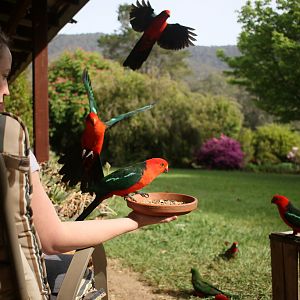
<point x="162" y="204"/>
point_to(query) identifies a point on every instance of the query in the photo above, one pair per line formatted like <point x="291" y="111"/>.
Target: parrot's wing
<point x="124" y="178"/>
<point x="92" y="175"/>
<point x="88" y="87"/>
<point x="72" y="169"/>
<point x="206" y="288"/>
<point x="116" y="181"/>
<point x="121" y="117"/>
<point x="141" y="15"/>
<point x="176" y="37"/>
<point x="293" y="215"/>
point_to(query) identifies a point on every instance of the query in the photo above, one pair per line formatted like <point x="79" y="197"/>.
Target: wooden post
<point x="40" y="80"/>
<point x="285" y="265"/>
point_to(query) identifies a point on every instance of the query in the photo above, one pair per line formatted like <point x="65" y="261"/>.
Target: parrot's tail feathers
<point x="137" y="56"/>
<point x="88" y="87"/>
<point x="87" y="211"/>
<point x="121" y="117"/>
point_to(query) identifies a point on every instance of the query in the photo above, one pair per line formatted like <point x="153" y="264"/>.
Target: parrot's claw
<point x="91" y="153"/>
<point x="145" y="195"/>
<point x="130" y="197"/>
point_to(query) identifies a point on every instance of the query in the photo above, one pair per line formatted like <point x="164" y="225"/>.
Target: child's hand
<point x="144" y="220"/>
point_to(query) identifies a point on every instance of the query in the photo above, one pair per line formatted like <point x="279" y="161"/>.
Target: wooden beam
<point x="40" y="79"/>
<point x="18" y="13"/>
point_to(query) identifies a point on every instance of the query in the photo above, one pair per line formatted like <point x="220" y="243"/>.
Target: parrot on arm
<point x="82" y="162"/>
<point x="231" y="252"/>
<point x="288" y="212"/>
<point x="155" y="29"/>
<point x="125" y="181"/>
<point x="205" y="289"/>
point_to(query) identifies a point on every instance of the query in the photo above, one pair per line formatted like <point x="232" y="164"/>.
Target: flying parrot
<point x="204" y="289"/>
<point x="125" y="181"/>
<point x="82" y="162"/>
<point x="288" y="212"/>
<point x="231" y="252"/>
<point x="155" y="29"/>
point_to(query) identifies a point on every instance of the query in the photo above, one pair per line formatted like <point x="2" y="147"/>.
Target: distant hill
<point x="64" y="42"/>
<point x="203" y="59"/>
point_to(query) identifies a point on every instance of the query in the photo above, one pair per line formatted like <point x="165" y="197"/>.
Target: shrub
<point x="20" y="101"/>
<point x="217" y="115"/>
<point x="68" y="104"/>
<point x="221" y="153"/>
<point x="245" y="138"/>
<point x="273" y="142"/>
<point x="173" y="129"/>
<point x="282" y="168"/>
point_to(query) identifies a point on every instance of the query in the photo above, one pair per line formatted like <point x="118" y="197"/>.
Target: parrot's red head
<point x="92" y="118"/>
<point x="167" y="13"/>
<point x="235" y="244"/>
<point x="280" y="201"/>
<point x="158" y="165"/>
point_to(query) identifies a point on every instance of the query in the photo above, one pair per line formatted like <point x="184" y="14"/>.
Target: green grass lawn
<point x="233" y="206"/>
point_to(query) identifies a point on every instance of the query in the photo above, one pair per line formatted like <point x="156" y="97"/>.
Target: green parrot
<point x="203" y="288"/>
<point x="125" y="181"/>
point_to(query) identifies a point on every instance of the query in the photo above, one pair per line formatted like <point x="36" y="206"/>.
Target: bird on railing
<point x="288" y="212"/>
<point x="155" y="29"/>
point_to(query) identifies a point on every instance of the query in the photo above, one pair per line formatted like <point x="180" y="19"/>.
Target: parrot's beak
<point x="273" y="201"/>
<point x="166" y="170"/>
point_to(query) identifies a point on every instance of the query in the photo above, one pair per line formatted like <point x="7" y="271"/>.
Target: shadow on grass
<point x="183" y="294"/>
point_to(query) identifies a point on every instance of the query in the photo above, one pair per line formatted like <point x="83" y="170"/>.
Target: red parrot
<point x="155" y="29"/>
<point x="288" y="212"/>
<point x="92" y="140"/>
<point x="231" y="252"/>
<point x="89" y="169"/>
<point x="125" y="181"/>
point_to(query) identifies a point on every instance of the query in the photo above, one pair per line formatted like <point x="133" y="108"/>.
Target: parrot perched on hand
<point x="155" y="29"/>
<point x="82" y="162"/>
<point x="231" y="252"/>
<point x="203" y="288"/>
<point x="125" y="181"/>
<point x="288" y="212"/>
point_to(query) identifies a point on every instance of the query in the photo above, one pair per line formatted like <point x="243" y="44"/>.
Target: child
<point x="57" y="236"/>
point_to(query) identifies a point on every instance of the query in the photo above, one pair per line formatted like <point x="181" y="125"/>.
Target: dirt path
<point x="123" y="284"/>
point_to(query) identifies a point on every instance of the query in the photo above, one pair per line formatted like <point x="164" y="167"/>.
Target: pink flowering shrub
<point x="220" y="153"/>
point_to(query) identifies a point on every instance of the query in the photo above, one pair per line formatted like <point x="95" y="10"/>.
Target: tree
<point x="118" y="45"/>
<point x="20" y="100"/>
<point x="173" y="129"/>
<point x="270" y="56"/>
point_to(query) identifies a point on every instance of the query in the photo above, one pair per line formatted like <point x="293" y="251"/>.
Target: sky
<point x="215" y="21"/>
